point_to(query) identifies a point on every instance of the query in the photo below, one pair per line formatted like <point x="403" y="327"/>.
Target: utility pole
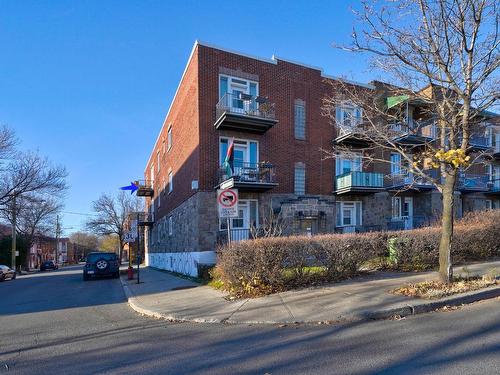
<point x="13" y="259"/>
<point x="58" y="229"/>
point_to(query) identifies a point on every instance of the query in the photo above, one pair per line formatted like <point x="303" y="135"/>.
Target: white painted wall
<point x="185" y="262"/>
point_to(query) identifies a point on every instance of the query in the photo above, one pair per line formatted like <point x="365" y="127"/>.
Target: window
<point x="300" y="178"/>
<point x="348" y="116"/>
<point x="349" y="214"/>
<point x="347" y="163"/>
<point x="164" y="186"/>
<point x="231" y="89"/>
<point x="245" y="154"/>
<point x="152" y="174"/>
<point x="158" y="161"/>
<point x="163" y="146"/>
<point x="489" y="204"/>
<point x="170" y="226"/>
<point x="170" y="182"/>
<point x="159" y="200"/>
<point x="300" y="119"/>
<point x="169" y="138"/>
<point x="248" y="216"/>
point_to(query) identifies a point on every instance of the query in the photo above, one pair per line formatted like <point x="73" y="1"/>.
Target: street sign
<point x="129" y="237"/>
<point x="17" y="253"/>
<point x="227" y="202"/>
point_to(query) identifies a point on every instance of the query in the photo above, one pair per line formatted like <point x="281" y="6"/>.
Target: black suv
<point x="101" y="264"/>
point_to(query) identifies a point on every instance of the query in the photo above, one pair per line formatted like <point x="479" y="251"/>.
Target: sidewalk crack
<point x="286" y="307"/>
<point x="234" y="312"/>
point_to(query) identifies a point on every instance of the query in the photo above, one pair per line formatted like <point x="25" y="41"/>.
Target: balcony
<point x="418" y="133"/>
<point x="409" y="181"/>
<point x="145" y="219"/>
<point x="359" y="182"/>
<point x="256" y="177"/>
<point x="245" y="113"/>
<point x="479" y="143"/>
<point x="144" y="188"/>
<point x="494" y="187"/>
<point x="473" y="183"/>
<point x="353" y="133"/>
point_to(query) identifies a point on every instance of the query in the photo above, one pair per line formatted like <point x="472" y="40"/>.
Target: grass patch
<point x="437" y="289"/>
<point x="290" y="273"/>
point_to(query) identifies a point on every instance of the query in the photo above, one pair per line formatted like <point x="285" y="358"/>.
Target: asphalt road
<point x="54" y="323"/>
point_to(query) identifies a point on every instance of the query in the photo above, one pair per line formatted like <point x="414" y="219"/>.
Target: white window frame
<point x="170" y="225"/>
<point x="351" y="108"/>
<point x="356" y="167"/>
<point x="354" y="204"/>
<point x="247" y="141"/>
<point x="230" y="84"/>
<point x="170" y="181"/>
<point x="244" y="201"/>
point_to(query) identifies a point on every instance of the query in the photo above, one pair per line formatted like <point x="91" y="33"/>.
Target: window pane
<point x="222" y="87"/>
<point x="359" y="214"/>
<point x="253" y="214"/>
<point x="338" y="211"/>
<point x="253" y="153"/>
<point x="222" y="150"/>
<point x="300" y="120"/>
<point x="300" y="180"/>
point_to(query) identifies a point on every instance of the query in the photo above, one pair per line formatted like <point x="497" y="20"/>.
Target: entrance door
<point x="240" y="226"/>
<point x="407" y="212"/>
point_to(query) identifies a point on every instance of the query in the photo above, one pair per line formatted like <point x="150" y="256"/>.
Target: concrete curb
<point x="400" y="311"/>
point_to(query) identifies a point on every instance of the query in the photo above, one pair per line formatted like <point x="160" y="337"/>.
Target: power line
<point x="78" y="213"/>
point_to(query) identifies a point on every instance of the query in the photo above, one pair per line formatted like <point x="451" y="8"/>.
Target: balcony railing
<point x="145" y="219"/>
<point x="245" y="112"/>
<point x="409" y="222"/>
<point x="479" y="141"/>
<point x="237" y="234"/>
<point x="352" y="181"/>
<point x="358" y="229"/>
<point x="406" y="179"/>
<point x="473" y="182"/>
<point x="256" y="175"/>
<point x="144" y="188"/>
<point x="419" y="130"/>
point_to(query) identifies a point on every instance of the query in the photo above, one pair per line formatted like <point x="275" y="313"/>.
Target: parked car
<point x="6" y="273"/>
<point x="100" y="264"/>
<point x="48" y="265"/>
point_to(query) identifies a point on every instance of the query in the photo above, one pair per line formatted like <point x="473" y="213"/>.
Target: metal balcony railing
<point x="359" y="180"/>
<point x="480" y="141"/>
<point x="144" y="188"/>
<point x="409" y="179"/>
<point x="238" y="234"/>
<point x="263" y="173"/>
<point x="409" y="222"/>
<point x="426" y="129"/>
<point x="145" y="218"/>
<point x="467" y="181"/>
<point x="245" y="104"/>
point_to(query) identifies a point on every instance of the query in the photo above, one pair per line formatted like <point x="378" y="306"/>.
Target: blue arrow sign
<point x="132" y="187"/>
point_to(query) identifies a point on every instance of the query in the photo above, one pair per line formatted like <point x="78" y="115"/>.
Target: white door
<point x="240" y="226"/>
<point x="407" y="212"/>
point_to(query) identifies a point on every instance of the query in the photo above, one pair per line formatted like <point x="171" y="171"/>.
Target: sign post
<point x="227" y="203"/>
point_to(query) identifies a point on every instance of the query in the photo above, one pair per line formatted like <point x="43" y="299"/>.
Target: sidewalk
<point x="163" y="295"/>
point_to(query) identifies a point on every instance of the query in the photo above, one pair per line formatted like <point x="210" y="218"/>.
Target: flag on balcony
<point x="229" y="160"/>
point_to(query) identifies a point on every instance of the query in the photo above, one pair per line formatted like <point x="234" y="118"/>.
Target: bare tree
<point x="35" y="216"/>
<point x="83" y="243"/>
<point x="112" y="214"/>
<point x="29" y="173"/>
<point x="444" y="56"/>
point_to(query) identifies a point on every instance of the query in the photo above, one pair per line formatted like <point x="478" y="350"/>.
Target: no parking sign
<point x="227" y="201"/>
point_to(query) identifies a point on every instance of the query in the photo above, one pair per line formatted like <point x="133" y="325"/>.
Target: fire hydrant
<point x="130" y="273"/>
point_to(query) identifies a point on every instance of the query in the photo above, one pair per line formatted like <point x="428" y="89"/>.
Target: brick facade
<point x="193" y="158"/>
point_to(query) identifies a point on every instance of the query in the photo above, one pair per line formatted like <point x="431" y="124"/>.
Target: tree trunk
<point x="445" y="266"/>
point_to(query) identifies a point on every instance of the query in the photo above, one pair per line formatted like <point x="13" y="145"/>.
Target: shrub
<point x="267" y="265"/>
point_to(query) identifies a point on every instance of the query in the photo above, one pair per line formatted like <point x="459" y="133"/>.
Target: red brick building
<point x="271" y="110"/>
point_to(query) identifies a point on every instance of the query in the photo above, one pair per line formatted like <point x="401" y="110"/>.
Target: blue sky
<point x="88" y="83"/>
